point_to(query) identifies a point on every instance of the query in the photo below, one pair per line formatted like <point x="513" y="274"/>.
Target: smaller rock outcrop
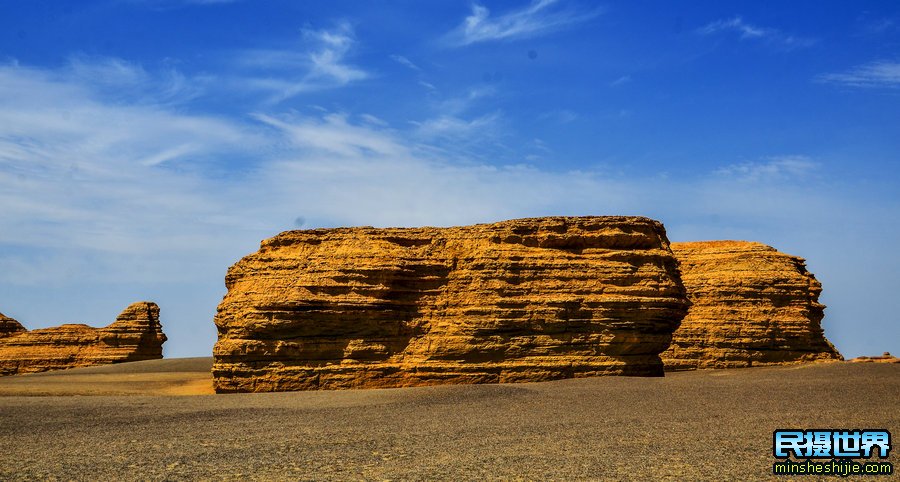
<point x="751" y="305"/>
<point x="135" y="335"/>
<point x="9" y="326"/>
<point x="886" y="357"/>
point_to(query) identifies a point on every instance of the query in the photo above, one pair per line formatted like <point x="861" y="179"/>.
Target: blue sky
<point x="146" y="145"/>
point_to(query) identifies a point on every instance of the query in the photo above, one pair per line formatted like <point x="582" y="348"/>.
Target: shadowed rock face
<point x="750" y="305"/>
<point x="522" y="300"/>
<point x="136" y="335"/>
<point x="9" y="326"/>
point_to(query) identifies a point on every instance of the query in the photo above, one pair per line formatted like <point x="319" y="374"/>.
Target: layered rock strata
<point x="9" y="326"/>
<point x="522" y="300"/>
<point x="885" y="357"/>
<point x="135" y="335"/>
<point x="750" y="305"/>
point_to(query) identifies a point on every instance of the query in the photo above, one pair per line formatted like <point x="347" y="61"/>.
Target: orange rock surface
<point x="886" y="357"/>
<point x="751" y="305"/>
<point x="135" y="335"/>
<point x="9" y="326"/>
<point x="522" y="300"/>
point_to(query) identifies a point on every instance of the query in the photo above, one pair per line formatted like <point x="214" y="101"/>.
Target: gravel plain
<point x="156" y="421"/>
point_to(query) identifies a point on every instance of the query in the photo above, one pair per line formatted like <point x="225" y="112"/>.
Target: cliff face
<point x="135" y="335"/>
<point x="522" y="300"/>
<point x="751" y="305"/>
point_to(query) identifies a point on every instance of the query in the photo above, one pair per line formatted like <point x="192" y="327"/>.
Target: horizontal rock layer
<point x="750" y="305"/>
<point x="885" y="357"/>
<point x="522" y="300"/>
<point x="135" y="335"/>
<point x="9" y="326"/>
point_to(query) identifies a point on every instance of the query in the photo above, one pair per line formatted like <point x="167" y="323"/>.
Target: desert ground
<point x="160" y="420"/>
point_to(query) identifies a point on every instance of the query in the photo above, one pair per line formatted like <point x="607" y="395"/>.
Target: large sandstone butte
<point x="522" y="300"/>
<point x="135" y="335"/>
<point x="751" y="305"/>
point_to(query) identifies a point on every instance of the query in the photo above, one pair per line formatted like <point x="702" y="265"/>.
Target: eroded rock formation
<point x="885" y="357"/>
<point x="135" y="335"/>
<point x="9" y="326"/>
<point x="522" y="300"/>
<point x="750" y="305"/>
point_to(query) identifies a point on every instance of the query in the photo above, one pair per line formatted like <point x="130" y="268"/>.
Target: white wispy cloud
<point x="735" y="24"/>
<point x="97" y="191"/>
<point x="562" y="116"/>
<point x="460" y="103"/>
<point x="334" y="135"/>
<point x="449" y="126"/>
<point x="538" y="18"/>
<point x="405" y="62"/>
<point x="116" y="78"/>
<point x="746" y="30"/>
<point x="620" y="81"/>
<point x="463" y="125"/>
<point x="374" y="120"/>
<point x="779" y="168"/>
<point x="875" y="74"/>
<point x="71" y="155"/>
<point x="142" y="188"/>
<point x="321" y="63"/>
<point x="328" y="58"/>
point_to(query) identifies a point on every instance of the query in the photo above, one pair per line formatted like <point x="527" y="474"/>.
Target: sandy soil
<point x="177" y="376"/>
<point x="706" y="425"/>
